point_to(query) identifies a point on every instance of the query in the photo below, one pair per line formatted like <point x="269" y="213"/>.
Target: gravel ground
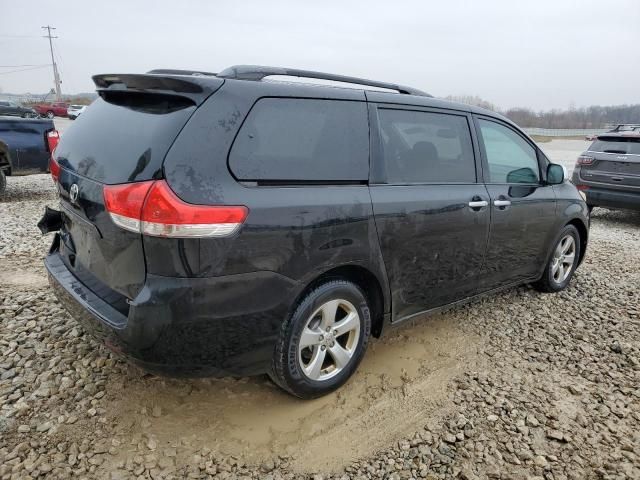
<point x="548" y="390"/>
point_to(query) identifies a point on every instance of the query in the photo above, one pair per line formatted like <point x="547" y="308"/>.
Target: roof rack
<point x="258" y="72"/>
<point x="170" y="71"/>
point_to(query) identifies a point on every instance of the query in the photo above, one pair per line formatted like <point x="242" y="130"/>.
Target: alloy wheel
<point x="563" y="259"/>
<point x="329" y="340"/>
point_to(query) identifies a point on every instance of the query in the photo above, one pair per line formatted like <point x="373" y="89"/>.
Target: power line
<point x="56" y="77"/>
<point x="26" y="65"/>
<point x="25" y="69"/>
<point x="19" y="36"/>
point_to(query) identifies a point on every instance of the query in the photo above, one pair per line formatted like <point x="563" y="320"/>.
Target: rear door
<point x="431" y="213"/>
<point x="123" y="139"/>
<point x="615" y="164"/>
<point x="523" y="207"/>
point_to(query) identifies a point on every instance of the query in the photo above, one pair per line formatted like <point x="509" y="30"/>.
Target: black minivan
<point x="239" y="224"/>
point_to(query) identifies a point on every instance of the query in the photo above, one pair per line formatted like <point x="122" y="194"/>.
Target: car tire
<point x="50" y="114"/>
<point x="3" y="182"/>
<point x="562" y="262"/>
<point x="323" y="341"/>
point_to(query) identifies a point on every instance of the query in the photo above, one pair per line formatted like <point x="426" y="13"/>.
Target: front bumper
<point x="186" y="326"/>
<point x="603" y="197"/>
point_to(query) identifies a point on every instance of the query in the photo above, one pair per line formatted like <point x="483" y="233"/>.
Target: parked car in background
<point x="74" y="111"/>
<point x="225" y="225"/>
<point x="12" y="108"/>
<point x="50" y="110"/>
<point x="625" y="127"/>
<point x="619" y="128"/>
<point x="25" y="146"/>
<point x="608" y="173"/>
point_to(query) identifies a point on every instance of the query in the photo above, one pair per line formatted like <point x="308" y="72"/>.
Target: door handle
<point x="478" y="203"/>
<point x="502" y="203"/>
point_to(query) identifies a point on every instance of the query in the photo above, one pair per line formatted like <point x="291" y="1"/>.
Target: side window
<point x="511" y="159"/>
<point x="425" y="147"/>
<point x="303" y="139"/>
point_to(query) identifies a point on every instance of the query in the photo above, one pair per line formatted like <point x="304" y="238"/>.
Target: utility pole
<point x="56" y="77"/>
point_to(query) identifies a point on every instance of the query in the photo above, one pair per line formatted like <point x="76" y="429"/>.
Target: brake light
<point x="54" y="168"/>
<point x="151" y="208"/>
<point x="124" y="203"/>
<point x="53" y="137"/>
<point x="582" y="187"/>
<point x="584" y="160"/>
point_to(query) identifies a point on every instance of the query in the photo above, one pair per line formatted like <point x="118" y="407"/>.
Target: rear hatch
<point x="122" y="139"/>
<point x="613" y="161"/>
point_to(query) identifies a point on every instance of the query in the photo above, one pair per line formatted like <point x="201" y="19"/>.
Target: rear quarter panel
<point x="571" y="208"/>
<point x="296" y="231"/>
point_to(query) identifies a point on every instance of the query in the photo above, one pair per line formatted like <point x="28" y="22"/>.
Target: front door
<point x="432" y="215"/>
<point x="523" y="207"/>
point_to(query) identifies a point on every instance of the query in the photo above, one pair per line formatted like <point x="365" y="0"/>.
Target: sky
<point x="540" y="54"/>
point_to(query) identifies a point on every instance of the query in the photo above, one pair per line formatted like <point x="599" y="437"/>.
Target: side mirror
<point x="556" y="174"/>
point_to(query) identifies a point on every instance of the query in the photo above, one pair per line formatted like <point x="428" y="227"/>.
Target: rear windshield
<point x="124" y="138"/>
<point x="616" y="145"/>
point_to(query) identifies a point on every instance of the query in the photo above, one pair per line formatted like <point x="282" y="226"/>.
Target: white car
<point x="74" y="111"/>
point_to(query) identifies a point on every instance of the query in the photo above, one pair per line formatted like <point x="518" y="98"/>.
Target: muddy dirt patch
<point x="402" y="380"/>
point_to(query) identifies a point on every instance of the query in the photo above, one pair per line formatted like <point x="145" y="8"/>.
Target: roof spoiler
<point x="195" y="88"/>
<point x="257" y="72"/>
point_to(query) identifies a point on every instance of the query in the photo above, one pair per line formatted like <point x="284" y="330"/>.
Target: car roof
<point x="359" y="89"/>
<point x="615" y="135"/>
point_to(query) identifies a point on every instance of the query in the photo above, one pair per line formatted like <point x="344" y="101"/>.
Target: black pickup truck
<point x="25" y="146"/>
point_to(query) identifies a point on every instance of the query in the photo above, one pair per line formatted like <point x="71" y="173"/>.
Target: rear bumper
<point x="186" y="326"/>
<point x="603" y="197"/>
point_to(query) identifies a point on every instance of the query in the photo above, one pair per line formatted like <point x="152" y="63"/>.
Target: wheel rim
<point x="49" y="115"/>
<point x="563" y="258"/>
<point x="329" y="340"/>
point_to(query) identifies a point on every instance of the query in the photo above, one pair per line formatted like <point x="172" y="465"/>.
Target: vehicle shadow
<point x="27" y="188"/>
<point x="618" y="217"/>
<point x="14" y="195"/>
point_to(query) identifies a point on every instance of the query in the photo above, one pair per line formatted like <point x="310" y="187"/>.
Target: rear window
<point x="124" y="139"/>
<point x="616" y="145"/>
<point x="291" y="139"/>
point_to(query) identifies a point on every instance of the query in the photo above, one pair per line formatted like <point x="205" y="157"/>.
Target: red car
<point x="51" y="110"/>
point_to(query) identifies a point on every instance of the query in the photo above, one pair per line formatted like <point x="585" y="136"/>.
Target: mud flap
<point x="51" y="221"/>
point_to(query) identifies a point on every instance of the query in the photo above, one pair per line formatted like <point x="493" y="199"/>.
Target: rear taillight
<point x="53" y="137"/>
<point x="54" y="168"/>
<point x="153" y="209"/>
<point x="582" y="187"/>
<point x="124" y="203"/>
<point x="584" y="160"/>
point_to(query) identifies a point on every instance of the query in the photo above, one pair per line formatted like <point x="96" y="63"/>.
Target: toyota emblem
<point x="73" y="193"/>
